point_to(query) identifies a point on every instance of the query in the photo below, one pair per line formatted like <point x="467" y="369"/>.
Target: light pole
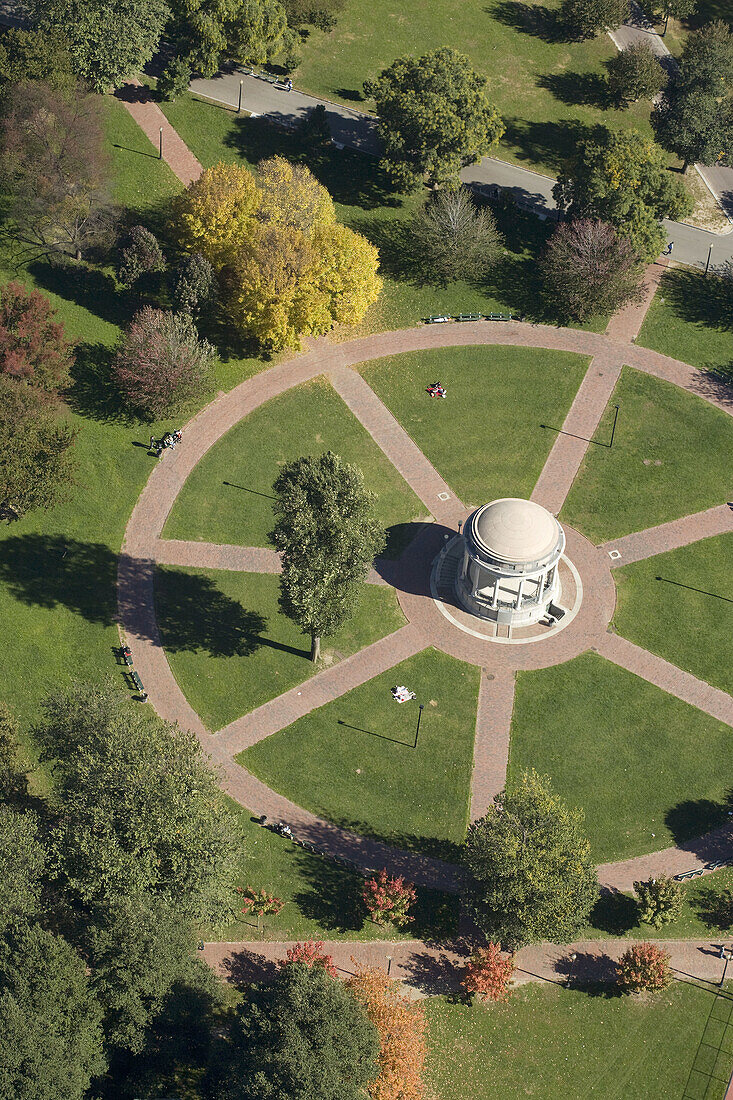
<point x="569" y="980"/>
<point x="239" y="105"/>
<point x="707" y="265"/>
<point x="419" y="716"/>
<point x="389" y="964"/>
<point x="725" y="953"/>
<point x="160" y="144"/>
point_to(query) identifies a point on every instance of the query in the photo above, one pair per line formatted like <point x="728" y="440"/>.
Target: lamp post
<point x="160" y="144"/>
<point x="419" y="716"/>
<point x="725" y="953"/>
<point x="239" y="105"/>
<point x="707" y="265"/>
<point x="569" y="980"/>
<point x="389" y="964"/>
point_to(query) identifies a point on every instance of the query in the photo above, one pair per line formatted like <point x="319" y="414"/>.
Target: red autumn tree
<point x="488" y="974"/>
<point x="312" y="954"/>
<point x="33" y="346"/>
<point x="388" y="898"/>
<point x="400" y="1024"/>
<point x="261" y="903"/>
<point x="644" y="966"/>
<point x="162" y="364"/>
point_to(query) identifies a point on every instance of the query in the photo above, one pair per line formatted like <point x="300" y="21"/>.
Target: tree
<point x="587" y="269"/>
<point x="291" y="198"/>
<point x="692" y="123"/>
<point x="108" y="40"/>
<point x="400" y="1024"/>
<point x="676" y="9"/>
<point x="302" y="1036"/>
<point x="138" y="807"/>
<point x="644" y="967"/>
<point x="310" y="953"/>
<point x="174" y="79"/>
<point x="707" y="59"/>
<point x="434" y="118"/>
<point x="216" y="212"/>
<point x="206" y="31"/>
<point x="318" y="13"/>
<point x="50" y="1035"/>
<point x="622" y="178"/>
<point x="37" y="464"/>
<point x="33" y="55"/>
<point x="488" y="974"/>
<point x="22" y="858"/>
<point x="55" y="170"/>
<point x="194" y="284"/>
<point x="161" y="363"/>
<point x="660" y="900"/>
<point x="33" y="345"/>
<point x="141" y="255"/>
<point x="261" y="903"/>
<point x="388" y="898"/>
<point x="13" y="772"/>
<point x="635" y="73"/>
<point x="328" y="536"/>
<point x="454" y="237"/>
<point x="587" y="18"/>
<point x="531" y="877"/>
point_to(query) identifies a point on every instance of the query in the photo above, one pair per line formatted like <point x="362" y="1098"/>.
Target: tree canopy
<point x="434" y="118"/>
<point x="37" y="464"/>
<point x="587" y="269"/>
<point x="33" y="345"/>
<point x="635" y="73"/>
<point x="35" y="55"/>
<point x="22" y="858"/>
<point x="204" y="32"/>
<point x="328" y="535"/>
<point x="693" y="123"/>
<point x="587" y="18"/>
<point x="622" y="178"/>
<point x="455" y="238"/>
<point x="531" y="877"/>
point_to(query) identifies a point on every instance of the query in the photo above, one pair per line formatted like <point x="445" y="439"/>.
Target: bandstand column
<point x="520" y="592"/>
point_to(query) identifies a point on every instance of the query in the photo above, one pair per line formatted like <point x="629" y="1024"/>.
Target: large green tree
<point x="108" y="40"/>
<point x="22" y="858"/>
<point x="139" y="809"/>
<point x="707" y="59"/>
<point x="635" y="73"/>
<point x="694" y="123"/>
<point x="36" y="461"/>
<point x="622" y="178"/>
<point x="207" y="31"/>
<point x="51" y="1043"/>
<point x="587" y="18"/>
<point x="328" y="536"/>
<point x="35" y="55"/>
<point x="302" y="1037"/>
<point x="434" y="118"/>
<point x="530" y="873"/>
<point x="672" y="9"/>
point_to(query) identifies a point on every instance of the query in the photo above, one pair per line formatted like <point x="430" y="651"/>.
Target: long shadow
<point x="93" y="391"/>
<point x="705" y="301"/>
<point x="614" y="912"/>
<point x="691" y="588"/>
<point x="534" y="19"/>
<point x="245" y="489"/>
<point x="576" y="89"/>
<point x="689" y="821"/>
<point x="382" y="736"/>
<point x="436" y="847"/>
<point x="550" y="143"/>
<point x="194" y="615"/>
<point x="89" y="287"/>
<point x="714" y="908"/>
<point x="51" y="571"/>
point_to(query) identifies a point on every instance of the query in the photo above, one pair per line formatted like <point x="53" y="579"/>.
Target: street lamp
<point x="419" y="716"/>
<point x="727" y="954"/>
<point x="569" y="980"/>
<point x="239" y="105"/>
<point x="389" y="964"/>
<point x="160" y="144"/>
<point x="707" y="265"/>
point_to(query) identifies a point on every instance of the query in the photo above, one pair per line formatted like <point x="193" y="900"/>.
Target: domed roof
<point x="516" y="530"/>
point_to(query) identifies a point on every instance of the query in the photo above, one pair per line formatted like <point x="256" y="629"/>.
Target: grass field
<point x="550" y="1042"/>
<point x="228" y="497"/>
<point x="486" y="438"/>
<point x="690" y="319"/>
<point x="231" y="649"/>
<point x="549" y="91"/>
<point x="702" y="916"/>
<point x="322" y="899"/>
<point x="672" y="454"/>
<point x="647" y="769"/>
<point x="353" y="761"/>
<point x="680" y="605"/>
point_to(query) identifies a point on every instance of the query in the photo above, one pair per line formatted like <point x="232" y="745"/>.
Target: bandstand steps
<point x="447" y="573"/>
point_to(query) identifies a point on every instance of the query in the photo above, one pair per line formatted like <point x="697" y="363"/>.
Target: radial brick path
<point x="151" y="120"/>
<point x="626" y="324"/>
<point x="426" y="625"/>
<point x="671" y="536"/>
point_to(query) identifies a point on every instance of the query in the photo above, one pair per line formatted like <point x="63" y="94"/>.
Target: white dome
<point x="515" y="530"/>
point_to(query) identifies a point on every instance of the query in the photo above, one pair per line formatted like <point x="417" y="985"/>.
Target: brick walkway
<point x="427" y="626"/>
<point x="625" y="325"/>
<point x="149" y="117"/>
<point x="671" y="536"/>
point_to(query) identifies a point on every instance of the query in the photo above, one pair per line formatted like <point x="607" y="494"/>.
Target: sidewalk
<point x="151" y="121"/>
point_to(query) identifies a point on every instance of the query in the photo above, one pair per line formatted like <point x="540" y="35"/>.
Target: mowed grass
<point x="487" y="437"/>
<point x="672" y="455"/>
<point x="648" y="770"/>
<point x="548" y="91"/>
<point x="552" y="1042"/>
<point x="353" y="761"/>
<point x="691" y="318"/>
<point x="228" y="497"/>
<point x="680" y="605"/>
<point x="322" y="898"/>
<point x="230" y="647"/>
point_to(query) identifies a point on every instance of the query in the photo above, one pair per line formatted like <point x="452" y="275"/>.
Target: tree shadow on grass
<point x="194" y="615"/>
<point x="93" y="391"/>
<point x="706" y="302"/>
<point x="689" y="821"/>
<point x="436" y="847"/>
<point x="549" y="143"/>
<point x="614" y="912"/>
<point x="535" y="19"/>
<point x="713" y="909"/>
<point x="51" y="571"/>
<point x="89" y="287"/>
<point x="576" y="89"/>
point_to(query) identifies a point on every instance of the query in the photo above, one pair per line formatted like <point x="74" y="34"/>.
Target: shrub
<point x="644" y="966"/>
<point x="194" y="284"/>
<point x="142" y="255"/>
<point x="310" y="953"/>
<point x="161" y="363"/>
<point x="389" y="898"/>
<point x="33" y="345"/>
<point x="174" y="79"/>
<point x="660" y="900"/>
<point x="488" y="974"/>
<point x="261" y="903"/>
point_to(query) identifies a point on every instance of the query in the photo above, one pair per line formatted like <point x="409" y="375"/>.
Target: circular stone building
<point x="511" y="555"/>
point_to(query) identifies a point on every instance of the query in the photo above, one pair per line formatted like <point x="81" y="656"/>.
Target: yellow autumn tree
<point x="216" y="212"/>
<point x="291" y="197"/>
<point x="400" y="1024"/>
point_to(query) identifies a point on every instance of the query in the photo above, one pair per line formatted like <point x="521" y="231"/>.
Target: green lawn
<point x="486" y="438"/>
<point x="353" y="761"/>
<point x="647" y="769"/>
<point x="672" y="454"/>
<point x="680" y="605"/>
<point x="365" y="201"/>
<point x="554" y="1043"/>
<point x="549" y="91"/>
<point x="230" y="647"/>
<point x="322" y="898"/>
<point x="228" y="496"/>
<point x="690" y="319"/>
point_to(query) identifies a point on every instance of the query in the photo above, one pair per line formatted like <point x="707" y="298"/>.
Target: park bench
<point x="689" y="874"/>
<point x="555" y="611"/>
<point x="126" y="655"/>
<point x="437" y="319"/>
<point x="137" y="681"/>
<point x="716" y="864"/>
<point x="497" y="316"/>
<point x="468" y="317"/>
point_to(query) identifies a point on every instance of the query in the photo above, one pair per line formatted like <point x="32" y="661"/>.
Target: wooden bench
<point x="137" y="682"/>
<point x="468" y="317"/>
<point x="497" y="317"/>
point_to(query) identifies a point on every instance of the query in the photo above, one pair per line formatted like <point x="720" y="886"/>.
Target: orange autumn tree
<point x="400" y="1023"/>
<point x="488" y="973"/>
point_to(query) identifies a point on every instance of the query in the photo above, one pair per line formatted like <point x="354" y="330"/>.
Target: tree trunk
<point x="315" y="647"/>
<point x="78" y="254"/>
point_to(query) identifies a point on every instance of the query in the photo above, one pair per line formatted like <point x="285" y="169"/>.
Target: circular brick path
<point x="143" y="548"/>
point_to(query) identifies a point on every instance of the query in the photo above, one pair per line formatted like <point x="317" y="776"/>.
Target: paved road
<point x="358" y="130"/>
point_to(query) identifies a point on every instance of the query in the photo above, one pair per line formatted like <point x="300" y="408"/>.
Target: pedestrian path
<point x="138" y="101"/>
<point x="670" y="536"/>
<point x="625" y="325"/>
<point x="491" y="747"/>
